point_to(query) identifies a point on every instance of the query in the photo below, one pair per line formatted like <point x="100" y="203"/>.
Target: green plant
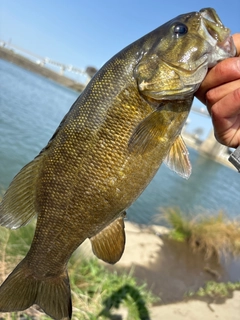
<point x="212" y="234"/>
<point x="215" y="290"/>
<point x="94" y="287"/>
<point x="181" y="227"/>
<point x="95" y="290"/>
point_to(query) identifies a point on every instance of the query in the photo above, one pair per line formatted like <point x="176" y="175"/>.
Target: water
<point x="32" y="108"/>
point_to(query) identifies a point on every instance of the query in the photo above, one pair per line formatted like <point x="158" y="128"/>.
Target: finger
<point x="225" y="71"/>
<point x="228" y="107"/>
<point x="221" y="73"/>
<point x="218" y="93"/>
<point x="226" y="119"/>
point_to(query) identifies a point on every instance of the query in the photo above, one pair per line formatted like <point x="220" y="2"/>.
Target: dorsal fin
<point x="109" y="243"/>
<point x="18" y="205"/>
<point x="177" y="158"/>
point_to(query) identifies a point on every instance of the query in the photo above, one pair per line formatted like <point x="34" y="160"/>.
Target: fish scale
<point x="104" y="153"/>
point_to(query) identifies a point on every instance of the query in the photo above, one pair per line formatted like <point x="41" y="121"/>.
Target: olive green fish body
<point x="100" y="175"/>
<point x="105" y="152"/>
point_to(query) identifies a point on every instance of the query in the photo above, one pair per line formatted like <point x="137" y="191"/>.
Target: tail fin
<point x="21" y="290"/>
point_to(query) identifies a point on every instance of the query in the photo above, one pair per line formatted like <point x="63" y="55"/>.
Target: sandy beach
<point x="198" y="310"/>
<point x="171" y="270"/>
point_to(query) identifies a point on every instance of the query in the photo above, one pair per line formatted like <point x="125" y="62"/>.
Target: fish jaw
<point x="224" y="50"/>
<point x="218" y="36"/>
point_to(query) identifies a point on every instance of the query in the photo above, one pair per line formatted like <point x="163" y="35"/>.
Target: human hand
<point x="220" y="92"/>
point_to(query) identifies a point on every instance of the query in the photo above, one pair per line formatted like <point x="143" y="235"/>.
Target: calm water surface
<point x="32" y="108"/>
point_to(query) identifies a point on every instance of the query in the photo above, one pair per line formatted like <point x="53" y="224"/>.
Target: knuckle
<point x="211" y="96"/>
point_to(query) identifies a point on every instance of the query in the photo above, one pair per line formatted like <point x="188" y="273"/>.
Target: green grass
<point x="212" y="234"/>
<point x="96" y="292"/>
<point x="215" y="290"/>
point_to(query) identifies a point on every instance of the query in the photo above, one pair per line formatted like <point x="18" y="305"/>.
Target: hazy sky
<point x="89" y="32"/>
<point x="83" y="33"/>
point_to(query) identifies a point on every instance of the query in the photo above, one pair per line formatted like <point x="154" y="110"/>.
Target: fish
<point x="106" y="150"/>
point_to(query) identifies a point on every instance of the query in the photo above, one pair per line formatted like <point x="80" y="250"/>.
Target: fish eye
<point x="180" y="29"/>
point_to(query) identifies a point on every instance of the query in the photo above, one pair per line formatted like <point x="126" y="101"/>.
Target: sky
<point x="88" y="33"/>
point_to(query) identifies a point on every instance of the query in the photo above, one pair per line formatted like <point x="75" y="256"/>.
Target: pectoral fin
<point x="147" y="134"/>
<point x="108" y="245"/>
<point x="177" y="158"/>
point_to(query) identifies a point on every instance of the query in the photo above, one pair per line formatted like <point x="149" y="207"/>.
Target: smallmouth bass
<point x="104" y="153"/>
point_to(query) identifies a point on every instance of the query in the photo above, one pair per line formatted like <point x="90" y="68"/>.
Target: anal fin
<point x="108" y="245"/>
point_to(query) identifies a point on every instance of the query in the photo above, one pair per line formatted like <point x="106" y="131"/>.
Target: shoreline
<point x="11" y="56"/>
<point x="171" y="270"/>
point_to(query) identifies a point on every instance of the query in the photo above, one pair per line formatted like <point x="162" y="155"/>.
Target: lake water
<point x="32" y="108"/>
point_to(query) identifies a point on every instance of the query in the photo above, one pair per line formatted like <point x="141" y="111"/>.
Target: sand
<point x="170" y="271"/>
<point x="198" y="310"/>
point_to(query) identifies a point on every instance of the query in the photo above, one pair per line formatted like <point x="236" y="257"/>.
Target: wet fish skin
<point x="103" y="155"/>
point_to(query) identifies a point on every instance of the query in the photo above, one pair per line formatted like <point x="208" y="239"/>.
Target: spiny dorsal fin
<point x="109" y="244"/>
<point x="18" y="205"/>
<point x="177" y="158"/>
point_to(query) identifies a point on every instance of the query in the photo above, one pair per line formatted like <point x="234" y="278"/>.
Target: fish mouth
<point x="228" y="46"/>
<point x="219" y="34"/>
